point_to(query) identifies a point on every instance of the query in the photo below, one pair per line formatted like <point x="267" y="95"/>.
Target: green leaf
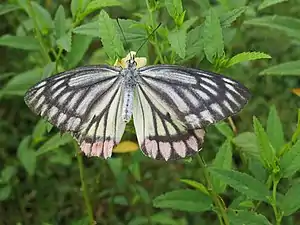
<point x="267" y="152"/>
<point x="115" y="165"/>
<point x="196" y="185"/>
<point x="225" y="129"/>
<point x="184" y="200"/>
<point x="268" y="3"/>
<point x="7" y="173"/>
<point x="223" y="160"/>
<point x="177" y="40"/>
<point x="76" y="7"/>
<point x="49" y="69"/>
<point x="247" y="56"/>
<point x="6" y="8"/>
<point x="242" y="182"/>
<point x="163" y="219"/>
<point x="39" y="130"/>
<point x="188" y="23"/>
<point x="142" y="193"/>
<point x="288" y="68"/>
<point x="65" y="41"/>
<point x="239" y="217"/>
<point x="5" y="192"/>
<point x="289" y="162"/>
<point x="247" y="142"/>
<point x="132" y="30"/>
<point x="27" y="156"/>
<point x="291" y="201"/>
<point x="288" y="25"/>
<point x="20" y="42"/>
<point x="135" y="170"/>
<point x="60" y="157"/>
<point x="174" y="8"/>
<point x="228" y="18"/>
<point x="194" y="43"/>
<point x="112" y="43"/>
<point x="96" y="4"/>
<point x="53" y="143"/>
<point x="20" y="83"/>
<point x="90" y="29"/>
<point x="274" y="129"/>
<point x="60" y="22"/>
<point x="213" y="37"/>
<point x="79" y="47"/>
<point x="257" y="170"/>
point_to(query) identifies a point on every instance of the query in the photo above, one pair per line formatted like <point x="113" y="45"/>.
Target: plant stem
<point x="278" y="214"/>
<point x="223" y="218"/>
<point x="83" y="186"/>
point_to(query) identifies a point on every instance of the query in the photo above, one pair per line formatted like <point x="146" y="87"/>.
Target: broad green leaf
<point x="194" y="43"/>
<point x="225" y="129"/>
<point x="288" y="68"/>
<point x="53" y="143"/>
<point x="242" y="182"/>
<point x="60" y="157"/>
<point x="223" y="160"/>
<point x="80" y="45"/>
<point x="177" y="39"/>
<point x="111" y="41"/>
<point x="90" y="29"/>
<point x="5" y="192"/>
<point x="96" y="4"/>
<point x="20" y="42"/>
<point x="6" y="8"/>
<point x="132" y="30"/>
<point x="288" y="25"/>
<point x="196" y="185"/>
<point x="42" y="16"/>
<point x="7" y="173"/>
<point x="48" y="70"/>
<point x="60" y="22"/>
<point x="135" y="170"/>
<point x="247" y="56"/>
<point x="76" y="7"/>
<point x="188" y="23"/>
<point x="247" y="142"/>
<point x="20" y="83"/>
<point x="39" y="131"/>
<point x="291" y="201"/>
<point x="27" y="156"/>
<point x="267" y="152"/>
<point x="257" y="170"/>
<point x="274" y="129"/>
<point x="174" y="8"/>
<point x="239" y="217"/>
<point x="289" y="162"/>
<point x="142" y="193"/>
<point x="184" y="200"/>
<point x="213" y="37"/>
<point x="268" y="3"/>
<point x="163" y="219"/>
<point x="228" y="18"/>
<point x="65" y="41"/>
<point x="115" y="165"/>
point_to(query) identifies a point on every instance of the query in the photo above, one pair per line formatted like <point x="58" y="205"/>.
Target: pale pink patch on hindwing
<point x="86" y="148"/>
<point x="97" y="149"/>
<point x="192" y="143"/>
<point x="165" y="150"/>
<point x="180" y="148"/>
<point x="151" y="148"/>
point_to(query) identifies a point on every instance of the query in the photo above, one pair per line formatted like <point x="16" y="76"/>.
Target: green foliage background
<point x="247" y="172"/>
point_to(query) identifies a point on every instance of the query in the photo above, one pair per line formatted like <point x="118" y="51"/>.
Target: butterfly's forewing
<point x="82" y="101"/>
<point x="175" y="101"/>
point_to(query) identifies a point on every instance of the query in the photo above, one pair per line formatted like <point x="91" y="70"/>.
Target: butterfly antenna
<point x="126" y="43"/>
<point x="148" y="38"/>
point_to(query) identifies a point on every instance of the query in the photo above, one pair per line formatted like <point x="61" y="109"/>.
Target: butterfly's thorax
<point x="130" y="76"/>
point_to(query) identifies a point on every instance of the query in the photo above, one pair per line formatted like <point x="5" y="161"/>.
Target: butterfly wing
<point x="182" y="102"/>
<point x="86" y="101"/>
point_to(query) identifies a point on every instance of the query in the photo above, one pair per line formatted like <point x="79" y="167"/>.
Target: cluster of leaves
<point x="59" y="37"/>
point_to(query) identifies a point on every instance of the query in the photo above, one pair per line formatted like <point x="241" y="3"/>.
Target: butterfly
<point x="170" y="105"/>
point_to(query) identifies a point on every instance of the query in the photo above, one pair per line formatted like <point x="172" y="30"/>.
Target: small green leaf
<point x="135" y="170"/>
<point x="174" y="8"/>
<point x="163" y="219"/>
<point x="188" y="23"/>
<point x="267" y="152"/>
<point x="177" y="40"/>
<point x="291" y="201"/>
<point x="242" y="182"/>
<point x="268" y="3"/>
<point x="39" y="131"/>
<point x="194" y="43"/>
<point x="60" y="157"/>
<point x="65" y="41"/>
<point x="133" y="30"/>
<point x="213" y="37"/>
<point x="239" y="217"/>
<point x="49" y="69"/>
<point x="196" y="185"/>
<point x="274" y="129"/>
<point x="247" y="142"/>
<point x="79" y="47"/>
<point x="20" y="42"/>
<point x="143" y="194"/>
<point x="7" y="173"/>
<point x="257" y="170"/>
<point x="111" y="41"/>
<point x="288" y="68"/>
<point x="115" y="165"/>
<point x="289" y="163"/>
<point x="60" y="22"/>
<point x="27" y="156"/>
<point x="223" y="160"/>
<point x="90" y="29"/>
<point x="96" y="4"/>
<point x="6" y="8"/>
<point x="76" y="7"/>
<point x="5" y="192"/>
<point x="225" y="129"/>
<point x="228" y="18"/>
<point x="53" y="143"/>
<point x="247" y="56"/>
<point x="184" y="200"/>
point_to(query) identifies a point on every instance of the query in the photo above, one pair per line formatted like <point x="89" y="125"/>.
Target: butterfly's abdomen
<point x="127" y="103"/>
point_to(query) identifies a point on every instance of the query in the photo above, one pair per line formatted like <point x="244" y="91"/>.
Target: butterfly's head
<point x="131" y="63"/>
